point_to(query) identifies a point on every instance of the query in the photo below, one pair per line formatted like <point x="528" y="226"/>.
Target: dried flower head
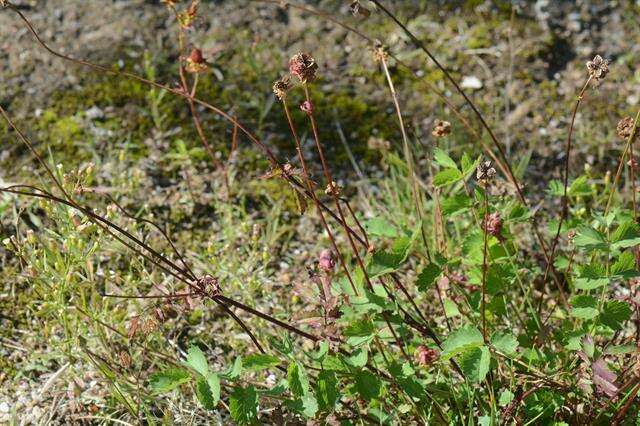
<point x="196" y="62"/>
<point x="303" y="66"/>
<point x="633" y="162"/>
<point x="492" y="224"/>
<point x="379" y="51"/>
<point x="208" y="285"/>
<point x="441" y="128"/>
<point x="149" y="325"/>
<point x="571" y="234"/>
<point x="124" y="358"/>
<point x="598" y="67"/>
<point x="358" y="10"/>
<point x="485" y="173"/>
<point x="425" y="356"/>
<point x="625" y="127"/>
<point x="188" y="17"/>
<point x="332" y="189"/>
<point x="326" y="261"/>
<point x="281" y="87"/>
<point x="307" y="107"/>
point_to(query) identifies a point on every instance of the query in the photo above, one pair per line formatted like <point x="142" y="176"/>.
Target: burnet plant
<point x="477" y="309"/>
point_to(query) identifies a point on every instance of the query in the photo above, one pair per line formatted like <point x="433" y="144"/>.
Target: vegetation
<point x="197" y="277"/>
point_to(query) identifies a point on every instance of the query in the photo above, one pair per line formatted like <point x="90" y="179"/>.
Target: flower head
<point x="208" y="285"/>
<point x="332" y="189"/>
<point x="281" y="87"/>
<point x="492" y="224"/>
<point x="195" y="61"/>
<point x="303" y="66"/>
<point x="598" y="67"/>
<point x="326" y="261"/>
<point x="307" y="107"/>
<point x="485" y="173"/>
<point x="358" y="10"/>
<point x="441" y="128"/>
<point x="425" y="356"/>
<point x="625" y="127"/>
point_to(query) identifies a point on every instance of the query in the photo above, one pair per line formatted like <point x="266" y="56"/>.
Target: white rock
<point x="4" y="407"/>
<point x="471" y="82"/>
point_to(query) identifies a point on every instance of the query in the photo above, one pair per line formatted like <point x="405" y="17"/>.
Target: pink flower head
<point x="425" y="356"/>
<point x="307" y="107"/>
<point x="493" y="224"/>
<point x="303" y="66"/>
<point x="326" y="260"/>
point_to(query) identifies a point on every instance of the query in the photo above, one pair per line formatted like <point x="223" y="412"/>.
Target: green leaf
<point x="443" y="159"/>
<point x="579" y="187"/>
<point x="592" y="276"/>
<point x="460" y="340"/>
<point x="368" y="385"/>
<point x="359" y="357"/>
<point x="385" y="262"/>
<point x="621" y="349"/>
<point x="584" y="307"/>
<point x="590" y="239"/>
<point x="234" y="371"/>
<point x="450" y="308"/>
<point x="380" y="227"/>
<point x="243" y="405"/>
<point x="625" y="266"/>
<point x="359" y="332"/>
<point x="625" y="235"/>
<point x="505" y="398"/>
<point x="456" y="204"/>
<point x="556" y="189"/>
<point x="297" y="378"/>
<point x="197" y="360"/>
<point x="204" y="394"/>
<point x="615" y="313"/>
<point x="475" y="363"/>
<point x="214" y="386"/>
<point x="505" y="343"/>
<point x="259" y="362"/>
<point x="327" y="390"/>
<point x="169" y="379"/>
<point x="446" y="177"/>
<point x="427" y="276"/>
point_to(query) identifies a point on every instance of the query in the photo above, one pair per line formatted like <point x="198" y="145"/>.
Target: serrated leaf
<point x="591" y="276"/>
<point x="234" y="371"/>
<point x="505" y="343"/>
<point x="584" y="307"/>
<point x="204" y="394"/>
<point x="475" y="363"/>
<point x="615" y="313"/>
<point x="327" y="390"/>
<point x="450" y="308"/>
<point x="625" y="266"/>
<point x="443" y="159"/>
<point x="214" y="386"/>
<point x="460" y="340"/>
<point x="243" y="405"/>
<point x="579" y="187"/>
<point x="626" y="235"/>
<point x="259" y="362"/>
<point x="621" y="349"/>
<point x="446" y="177"/>
<point x="380" y="227"/>
<point x="359" y="357"/>
<point x="427" y="276"/>
<point x="590" y="239"/>
<point x="368" y="385"/>
<point x="456" y="204"/>
<point x="297" y="379"/>
<point x="197" y="360"/>
<point x="169" y="379"/>
<point x="505" y="398"/>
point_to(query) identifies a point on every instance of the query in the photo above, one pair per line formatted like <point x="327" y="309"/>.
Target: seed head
<point x="425" y="356"/>
<point x="332" y="189"/>
<point x="441" y="128"/>
<point x="625" y="128"/>
<point x="307" y="107"/>
<point x="208" y="285"/>
<point x="358" y="10"/>
<point x="598" y="67"/>
<point x="149" y="325"/>
<point x="379" y="51"/>
<point x="196" y="62"/>
<point x="492" y="224"/>
<point x="303" y="66"/>
<point x="124" y="358"/>
<point x="485" y="173"/>
<point x="281" y="87"/>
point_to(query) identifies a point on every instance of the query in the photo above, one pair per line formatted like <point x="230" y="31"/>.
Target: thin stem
<point x="417" y="199"/>
<point x="485" y="267"/>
